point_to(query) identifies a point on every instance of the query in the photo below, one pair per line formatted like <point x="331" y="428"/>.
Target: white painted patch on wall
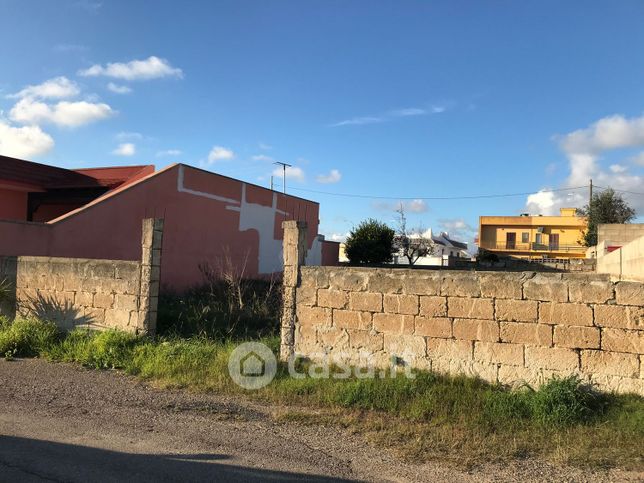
<point x="253" y="216"/>
<point x="314" y="255"/>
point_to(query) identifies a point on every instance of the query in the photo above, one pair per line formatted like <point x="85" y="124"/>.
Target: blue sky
<point x="395" y="99"/>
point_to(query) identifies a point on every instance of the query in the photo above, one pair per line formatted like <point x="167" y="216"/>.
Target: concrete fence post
<point x="151" y="242"/>
<point x="295" y="247"/>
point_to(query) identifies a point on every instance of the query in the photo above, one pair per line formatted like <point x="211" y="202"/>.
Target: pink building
<point x="96" y="213"/>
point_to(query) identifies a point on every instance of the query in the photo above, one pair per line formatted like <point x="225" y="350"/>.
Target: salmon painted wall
<point x="208" y="218"/>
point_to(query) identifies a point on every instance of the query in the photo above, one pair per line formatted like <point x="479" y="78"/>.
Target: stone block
<point x="432" y="306"/>
<point x="618" y="384"/>
<point x="418" y="283"/>
<point x="498" y="353"/>
<point x="119" y="319"/>
<point x="393" y="323"/>
<point x="317" y="277"/>
<point x="526" y="333"/>
<point x="350" y="319"/>
<point x="546" y="287"/>
<point x="84" y="299"/>
<point x="619" y="316"/>
<point x="366" y="340"/>
<point x="470" y="308"/>
<point x="501" y="285"/>
<point x="576" y="337"/>
<point x="336" y="299"/>
<point x="595" y="291"/>
<point x="555" y="358"/>
<point x="103" y="300"/>
<point x="366" y="301"/>
<point x="386" y="282"/>
<point x="450" y="349"/>
<point x="433" y="327"/>
<point x="565" y="314"/>
<point x="476" y="329"/>
<point x="333" y="339"/>
<point x="315" y="316"/>
<point x="401" y="304"/>
<point x="630" y="293"/>
<point x="408" y="347"/>
<point x="623" y="340"/>
<point x="349" y="279"/>
<point x="460" y="284"/>
<point x="610" y="363"/>
<point x="126" y="302"/>
<point x="516" y="310"/>
<point x="307" y="296"/>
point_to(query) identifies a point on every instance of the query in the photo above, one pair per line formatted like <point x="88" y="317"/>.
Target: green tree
<point x="604" y="207"/>
<point x="371" y="242"/>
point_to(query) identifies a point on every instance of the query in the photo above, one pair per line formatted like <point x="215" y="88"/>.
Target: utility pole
<point x="271" y="182"/>
<point x="590" y="199"/>
<point x="284" y="166"/>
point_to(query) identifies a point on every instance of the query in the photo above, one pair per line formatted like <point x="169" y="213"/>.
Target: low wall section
<point x="503" y="327"/>
<point x="96" y="294"/>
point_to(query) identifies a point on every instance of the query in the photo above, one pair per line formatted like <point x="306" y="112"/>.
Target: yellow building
<point x="534" y="237"/>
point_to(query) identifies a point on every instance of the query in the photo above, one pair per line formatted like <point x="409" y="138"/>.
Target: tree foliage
<point x="370" y="242"/>
<point x="604" y="207"/>
<point x="410" y="243"/>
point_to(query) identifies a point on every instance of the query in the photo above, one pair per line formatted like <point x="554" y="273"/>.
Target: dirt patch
<point x="61" y="422"/>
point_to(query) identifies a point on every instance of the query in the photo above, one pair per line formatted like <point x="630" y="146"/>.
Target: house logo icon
<point x="252" y="365"/>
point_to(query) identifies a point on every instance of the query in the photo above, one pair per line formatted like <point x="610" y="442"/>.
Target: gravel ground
<point x="60" y="422"/>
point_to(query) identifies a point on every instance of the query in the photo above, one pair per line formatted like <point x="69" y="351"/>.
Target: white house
<point x="444" y="248"/>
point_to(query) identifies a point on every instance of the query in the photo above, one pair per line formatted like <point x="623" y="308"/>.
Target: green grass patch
<point x="460" y="419"/>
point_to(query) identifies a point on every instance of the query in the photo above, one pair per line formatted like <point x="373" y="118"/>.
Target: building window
<point x="538" y="239"/>
<point x="525" y="237"/>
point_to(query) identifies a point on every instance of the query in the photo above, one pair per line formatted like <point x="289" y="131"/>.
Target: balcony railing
<point x="534" y="247"/>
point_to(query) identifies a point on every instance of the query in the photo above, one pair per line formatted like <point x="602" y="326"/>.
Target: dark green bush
<point x="371" y="242"/>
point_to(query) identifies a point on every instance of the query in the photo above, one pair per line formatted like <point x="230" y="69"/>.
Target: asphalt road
<point x="59" y="422"/>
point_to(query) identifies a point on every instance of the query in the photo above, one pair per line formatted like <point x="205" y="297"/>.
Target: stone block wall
<point x="511" y="328"/>
<point x="89" y="293"/>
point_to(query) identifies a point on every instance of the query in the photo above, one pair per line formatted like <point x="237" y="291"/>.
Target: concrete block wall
<point x="510" y="328"/>
<point x="89" y="293"/>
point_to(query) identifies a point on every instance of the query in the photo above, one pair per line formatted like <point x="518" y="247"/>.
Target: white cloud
<point x="409" y="206"/>
<point x="584" y="149"/>
<point x="457" y="227"/>
<point x="125" y="135"/>
<point x="169" y="152"/>
<point x="415" y="206"/>
<point x="64" y="113"/>
<point x="390" y="116"/>
<point x="292" y="172"/>
<point x="56" y="88"/>
<point x="618" y="168"/>
<point x="333" y="177"/>
<point x="150" y="68"/>
<point x="638" y="158"/>
<point x="125" y="149"/>
<point x="219" y="153"/>
<point x="410" y="111"/>
<point x="24" y="142"/>
<point x="357" y="121"/>
<point x="265" y="147"/>
<point x="262" y="157"/>
<point x="337" y="237"/>
<point x="118" y="89"/>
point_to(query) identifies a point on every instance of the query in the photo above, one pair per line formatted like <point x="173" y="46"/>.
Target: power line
<point x="620" y="191"/>
<point x="471" y="197"/>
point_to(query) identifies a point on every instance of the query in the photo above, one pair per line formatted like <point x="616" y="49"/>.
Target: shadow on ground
<point x="25" y="459"/>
